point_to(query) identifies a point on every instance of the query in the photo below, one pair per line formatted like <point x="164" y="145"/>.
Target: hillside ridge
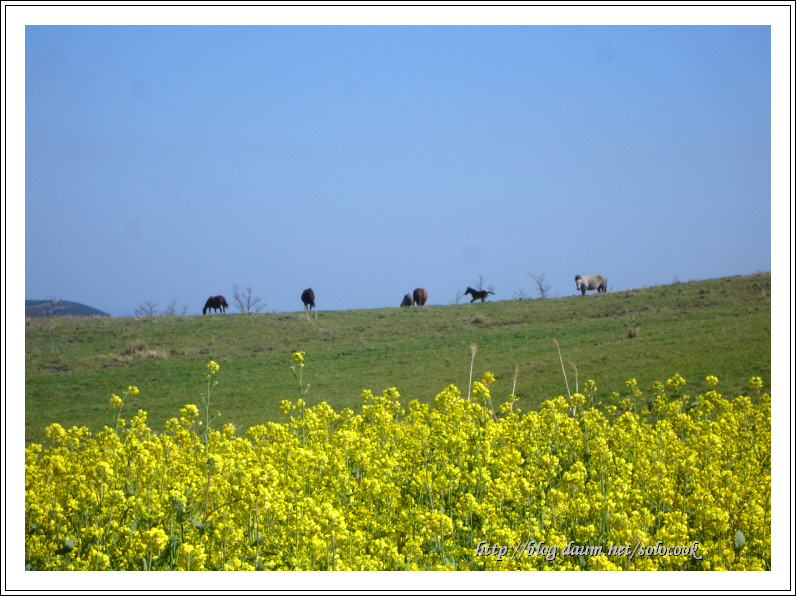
<point x="60" y="308"/>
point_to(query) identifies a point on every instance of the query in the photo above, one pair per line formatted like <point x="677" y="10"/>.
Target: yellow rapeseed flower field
<point x="413" y="487"/>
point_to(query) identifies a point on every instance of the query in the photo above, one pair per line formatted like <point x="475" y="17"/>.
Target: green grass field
<point x="718" y="327"/>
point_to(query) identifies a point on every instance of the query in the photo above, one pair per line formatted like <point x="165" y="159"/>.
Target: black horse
<point x="308" y="298"/>
<point x="477" y="294"/>
<point x="217" y="303"/>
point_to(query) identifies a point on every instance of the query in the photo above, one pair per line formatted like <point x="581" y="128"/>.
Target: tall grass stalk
<point x="473" y="350"/>
<point x="516" y="374"/>
<point x="572" y="364"/>
<point x="555" y="343"/>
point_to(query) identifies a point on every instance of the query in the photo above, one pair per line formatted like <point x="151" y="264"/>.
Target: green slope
<point x="720" y="327"/>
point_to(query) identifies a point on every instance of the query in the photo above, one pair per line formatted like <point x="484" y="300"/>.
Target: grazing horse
<point x="419" y="297"/>
<point x="591" y="282"/>
<point x="308" y="298"/>
<point x="407" y="301"/>
<point x="217" y="303"/>
<point x="477" y="294"/>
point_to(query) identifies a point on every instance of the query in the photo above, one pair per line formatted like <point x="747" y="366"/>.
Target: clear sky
<point x="168" y="163"/>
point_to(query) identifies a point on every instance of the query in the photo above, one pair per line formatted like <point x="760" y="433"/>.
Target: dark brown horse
<point x="407" y="301"/>
<point x="308" y="298"/>
<point x="477" y="294"/>
<point x="419" y="297"/>
<point x="217" y="303"/>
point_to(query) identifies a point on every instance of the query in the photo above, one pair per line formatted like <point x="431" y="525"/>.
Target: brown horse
<point x="216" y="303"/>
<point x="477" y="294"/>
<point x="419" y="297"/>
<point x="407" y="301"/>
<point x="308" y="298"/>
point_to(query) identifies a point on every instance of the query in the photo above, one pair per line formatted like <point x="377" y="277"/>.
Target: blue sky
<point x="168" y="163"/>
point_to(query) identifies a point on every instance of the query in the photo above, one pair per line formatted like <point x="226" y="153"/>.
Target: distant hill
<point x="64" y="308"/>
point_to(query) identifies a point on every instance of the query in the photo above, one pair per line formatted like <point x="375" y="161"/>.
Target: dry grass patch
<point x="135" y="346"/>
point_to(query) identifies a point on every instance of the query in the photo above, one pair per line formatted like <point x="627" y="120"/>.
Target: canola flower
<point x="411" y="486"/>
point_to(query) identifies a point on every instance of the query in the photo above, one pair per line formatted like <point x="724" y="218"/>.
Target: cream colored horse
<point x="591" y="282"/>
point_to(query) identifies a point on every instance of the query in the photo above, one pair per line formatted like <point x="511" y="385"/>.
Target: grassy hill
<point x="718" y="327"/>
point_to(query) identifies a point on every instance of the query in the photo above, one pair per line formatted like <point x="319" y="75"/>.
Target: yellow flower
<point x="115" y="401"/>
<point x="190" y="558"/>
<point x="755" y="382"/>
<point x="298" y="356"/>
<point x="675" y="382"/>
<point x="212" y="367"/>
<point x="712" y="381"/>
<point x="436" y="477"/>
<point x="153" y="541"/>
<point x="132" y="390"/>
<point x="189" y="411"/>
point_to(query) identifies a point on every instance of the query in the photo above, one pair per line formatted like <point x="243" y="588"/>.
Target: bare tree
<point x="55" y="305"/>
<point x="521" y="295"/>
<point x="541" y="285"/>
<point x="171" y="310"/>
<point x="147" y="309"/>
<point x="458" y="297"/>
<point x="480" y="285"/>
<point x="245" y="301"/>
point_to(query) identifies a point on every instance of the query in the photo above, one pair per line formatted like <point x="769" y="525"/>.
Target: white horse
<point x="591" y="282"/>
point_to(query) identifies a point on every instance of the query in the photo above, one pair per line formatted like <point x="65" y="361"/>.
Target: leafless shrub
<point x="541" y="285"/>
<point x="458" y="297"/>
<point x="480" y="285"/>
<point x="147" y="309"/>
<point x="54" y="305"/>
<point x="521" y="295"/>
<point x="171" y="310"/>
<point x="245" y="301"/>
